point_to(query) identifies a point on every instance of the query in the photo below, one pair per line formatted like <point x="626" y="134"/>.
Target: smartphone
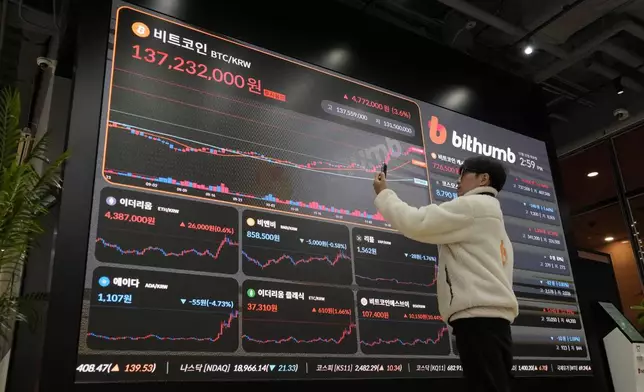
<point x="384" y="169"/>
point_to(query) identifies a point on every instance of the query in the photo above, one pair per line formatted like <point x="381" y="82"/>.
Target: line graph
<point x="142" y="252"/>
<point x="229" y="114"/>
<point x="292" y="339"/>
<point x="171" y="233"/>
<point x="223" y="326"/>
<point x="332" y="261"/>
<point x="322" y="166"/>
<point x="401" y="342"/>
<point x="250" y="104"/>
<point x="270" y="198"/>
<point x="296" y="318"/>
<point x="400" y="282"/>
<point x="290" y="161"/>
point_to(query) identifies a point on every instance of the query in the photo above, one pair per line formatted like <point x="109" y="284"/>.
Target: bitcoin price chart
<point x="182" y="123"/>
<point x="234" y="234"/>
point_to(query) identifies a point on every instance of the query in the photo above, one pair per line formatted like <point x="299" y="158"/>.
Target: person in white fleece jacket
<point x="475" y="267"/>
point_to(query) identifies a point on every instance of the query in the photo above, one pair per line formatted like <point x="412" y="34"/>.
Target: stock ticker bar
<point x="235" y="232"/>
<point x="199" y="368"/>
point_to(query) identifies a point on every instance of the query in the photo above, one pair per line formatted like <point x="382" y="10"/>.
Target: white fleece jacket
<point x="475" y="254"/>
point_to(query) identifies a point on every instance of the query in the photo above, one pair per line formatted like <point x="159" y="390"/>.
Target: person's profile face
<point x="468" y="181"/>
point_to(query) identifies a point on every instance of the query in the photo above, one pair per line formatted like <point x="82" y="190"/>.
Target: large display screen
<point x="234" y="235"/>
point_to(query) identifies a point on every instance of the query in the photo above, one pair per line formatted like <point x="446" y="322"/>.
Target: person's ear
<point x="485" y="179"/>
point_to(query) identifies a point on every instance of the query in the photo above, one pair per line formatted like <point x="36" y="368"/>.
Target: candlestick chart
<point x="205" y="144"/>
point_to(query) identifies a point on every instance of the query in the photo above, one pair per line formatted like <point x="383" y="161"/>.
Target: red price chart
<point x="175" y="110"/>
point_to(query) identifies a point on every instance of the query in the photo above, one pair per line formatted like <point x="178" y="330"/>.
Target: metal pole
<point x="627" y="212"/>
<point x="3" y="25"/>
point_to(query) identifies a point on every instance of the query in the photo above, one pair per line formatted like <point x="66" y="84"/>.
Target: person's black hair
<point x="481" y="165"/>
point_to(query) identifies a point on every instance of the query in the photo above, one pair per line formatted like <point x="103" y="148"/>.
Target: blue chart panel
<point x="144" y="310"/>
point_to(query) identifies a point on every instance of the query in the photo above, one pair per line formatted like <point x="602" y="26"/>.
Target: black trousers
<point x="485" y="348"/>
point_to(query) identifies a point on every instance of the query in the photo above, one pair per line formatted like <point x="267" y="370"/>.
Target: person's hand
<point x="379" y="183"/>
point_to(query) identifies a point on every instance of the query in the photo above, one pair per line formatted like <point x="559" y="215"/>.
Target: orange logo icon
<point x="504" y="253"/>
<point x="437" y="132"/>
<point x="140" y="29"/>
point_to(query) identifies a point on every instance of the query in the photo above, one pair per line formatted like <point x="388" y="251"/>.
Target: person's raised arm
<point x="448" y="223"/>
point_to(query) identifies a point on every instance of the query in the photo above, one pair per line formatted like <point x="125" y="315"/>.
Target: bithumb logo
<point x="438" y="135"/>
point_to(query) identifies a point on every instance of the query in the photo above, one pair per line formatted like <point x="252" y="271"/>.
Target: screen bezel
<point x="69" y="267"/>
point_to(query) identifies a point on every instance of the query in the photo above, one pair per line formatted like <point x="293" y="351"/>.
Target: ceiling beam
<point x="500" y="24"/>
<point x="590" y="47"/>
<point x="612" y="74"/>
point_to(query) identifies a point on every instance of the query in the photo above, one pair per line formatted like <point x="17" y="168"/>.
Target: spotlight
<point x="528" y="50"/>
<point x="618" y="86"/>
<point x="609" y="239"/>
<point x="592" y="174"/>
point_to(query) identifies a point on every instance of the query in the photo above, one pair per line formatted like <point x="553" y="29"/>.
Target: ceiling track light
<point x="528" y="49"/>
<point x="618" y="86"/>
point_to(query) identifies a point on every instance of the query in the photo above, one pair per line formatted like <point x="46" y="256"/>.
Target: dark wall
<point x="28" y="340"/>
<point x="372" y="51"/>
